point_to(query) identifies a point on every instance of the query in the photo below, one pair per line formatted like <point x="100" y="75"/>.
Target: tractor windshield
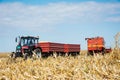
<point x="27" y="41"/>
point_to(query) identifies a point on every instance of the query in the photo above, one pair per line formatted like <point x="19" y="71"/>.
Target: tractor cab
<point x="28" y="41"/>
<point x="27" y="45"/>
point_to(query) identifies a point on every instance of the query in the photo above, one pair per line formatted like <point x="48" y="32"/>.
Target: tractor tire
<point x="26" y="56"/>
<point x="17" y="55"/>
<point x="12" y="55"/>
<point x="38" y="53"/>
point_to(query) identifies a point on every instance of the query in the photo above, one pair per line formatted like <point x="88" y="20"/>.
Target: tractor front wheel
<point x="26" y="56"/>
<point x="12" y="55"/>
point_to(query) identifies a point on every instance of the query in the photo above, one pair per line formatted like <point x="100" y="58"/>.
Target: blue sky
<point x="64" y="21"/>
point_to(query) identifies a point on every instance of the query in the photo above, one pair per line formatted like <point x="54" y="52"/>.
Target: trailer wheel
<point x="66" y="54"/>
<point x="54" y="54"/>
<point x="78" y="53"/>
<point x="103" y="51"/>
<point x="89" y="53"/>
<point x="38" y="53"/>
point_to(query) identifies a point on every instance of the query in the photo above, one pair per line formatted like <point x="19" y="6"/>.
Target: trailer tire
<point x="66" y="54"/>
<point x="103" y="51"/>
<point x="55" y="55"/>
<point x="78" y="53"/>
<point x="89" y="53"/>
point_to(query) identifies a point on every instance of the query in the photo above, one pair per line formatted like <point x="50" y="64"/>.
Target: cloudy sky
<point x="64" y="21"/>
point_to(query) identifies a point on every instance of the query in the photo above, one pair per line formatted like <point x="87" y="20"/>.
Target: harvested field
<point x="4" y="55"/>
<point x="81" y="67"/>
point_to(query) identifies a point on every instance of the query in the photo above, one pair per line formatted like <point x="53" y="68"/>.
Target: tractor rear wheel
<point x="38" y="53"/>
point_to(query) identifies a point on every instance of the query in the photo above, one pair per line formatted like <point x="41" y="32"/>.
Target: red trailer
<point x="59" y="48"/>
<point x="73" y="49"/>
<point x="96" y="45"/>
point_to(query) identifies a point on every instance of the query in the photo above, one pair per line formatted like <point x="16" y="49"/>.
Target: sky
<point x="63" y="21"/>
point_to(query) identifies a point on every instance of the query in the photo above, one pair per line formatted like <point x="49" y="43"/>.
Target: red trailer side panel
<point x="71" y="48"/>
<point x="51" y="47"/>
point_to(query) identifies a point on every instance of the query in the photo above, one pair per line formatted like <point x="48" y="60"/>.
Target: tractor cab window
<point x="28" y="41"/>
<point x="31" y="41"/>
<point x="36" y="41"/>
<point x="24" y="42"/>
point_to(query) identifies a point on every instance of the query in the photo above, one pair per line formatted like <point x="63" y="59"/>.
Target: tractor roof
<point x="30" y="37"/>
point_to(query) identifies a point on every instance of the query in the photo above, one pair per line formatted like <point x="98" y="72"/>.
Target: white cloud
<point x="113" y="19"/>
<point x="45" y="16"/>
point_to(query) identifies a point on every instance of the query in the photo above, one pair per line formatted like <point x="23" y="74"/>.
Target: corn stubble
<point x="82" y="67"/>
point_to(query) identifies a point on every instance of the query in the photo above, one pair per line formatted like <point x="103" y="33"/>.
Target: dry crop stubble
<point x="82" y="67"/>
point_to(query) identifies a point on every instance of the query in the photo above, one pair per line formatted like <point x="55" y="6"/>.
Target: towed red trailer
<point x="51" y="48"/>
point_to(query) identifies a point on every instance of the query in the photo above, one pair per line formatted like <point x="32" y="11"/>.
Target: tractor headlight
<point x="18" y="51"/>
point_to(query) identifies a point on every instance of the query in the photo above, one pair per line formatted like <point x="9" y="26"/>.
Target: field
<point x="81" y="67"/>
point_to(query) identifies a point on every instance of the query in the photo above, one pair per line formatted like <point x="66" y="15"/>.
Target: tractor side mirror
<point x="16" y="39"/>
<point x="86" y="38"/>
